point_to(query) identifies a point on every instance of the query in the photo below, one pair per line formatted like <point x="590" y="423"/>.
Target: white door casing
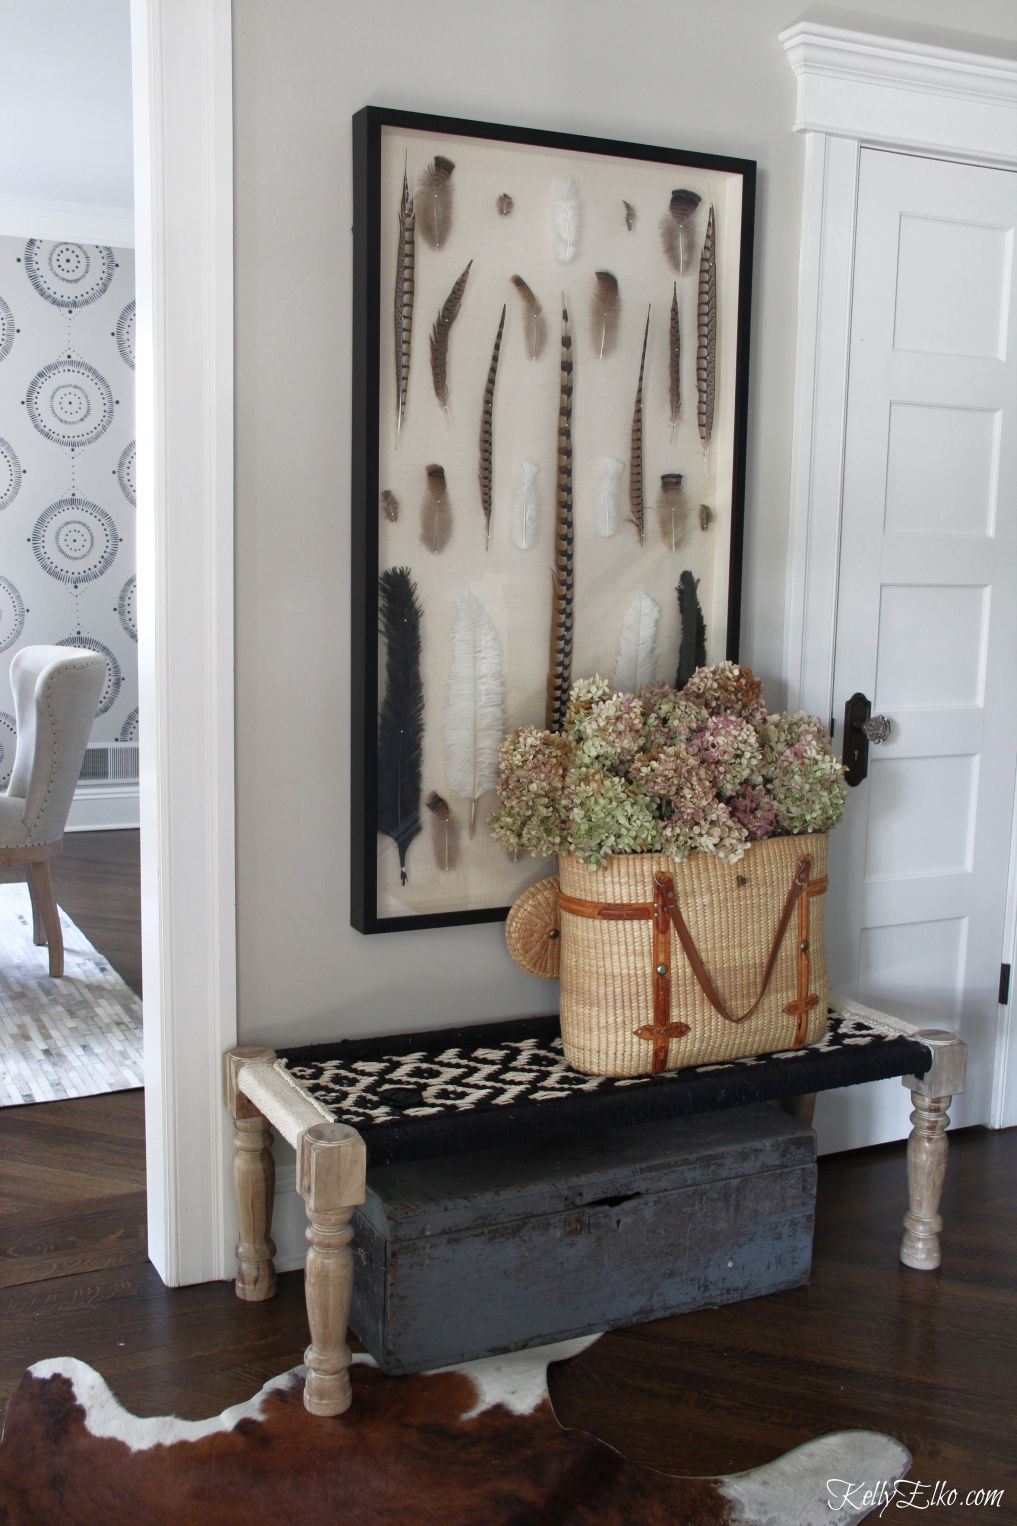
<point x="183" y="150"/>
<point x="854" y="91"/>
<point x="927" y="599"/>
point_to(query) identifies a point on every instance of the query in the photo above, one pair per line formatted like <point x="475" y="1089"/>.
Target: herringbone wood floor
<point x="928" y="1357"/>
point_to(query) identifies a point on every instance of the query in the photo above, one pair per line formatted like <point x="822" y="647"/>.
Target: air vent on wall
<point x="109" y="763"/>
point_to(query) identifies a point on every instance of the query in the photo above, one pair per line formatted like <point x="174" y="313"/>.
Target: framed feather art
<point x="550" y="363"/>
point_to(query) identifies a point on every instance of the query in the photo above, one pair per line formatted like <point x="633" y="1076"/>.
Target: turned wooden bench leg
<point x="331" y="1174"/>
<point x="927" y="1146"/>
<point x="253" y="1179"/>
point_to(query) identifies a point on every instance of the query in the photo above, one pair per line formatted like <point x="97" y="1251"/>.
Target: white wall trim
<point x="184" y="201"/>
<point x="21" y="218"/>
<point x="856" y="90"/>
<point x="900" y="94"/>
<point x="106" y="808"/>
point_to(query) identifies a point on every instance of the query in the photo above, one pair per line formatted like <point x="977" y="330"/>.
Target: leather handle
<point x="798" y="884"/>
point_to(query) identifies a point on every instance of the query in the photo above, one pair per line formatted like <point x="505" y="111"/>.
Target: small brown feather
<point x="705" y="516"/>
<point x="435" y="511"/>
<point x="676" y="229"/>
<point x="605" y="312"/>
<point x="534" y="322"/>
<point x="444" y="832"/>
<point x="630" y="215"/>
<point x="434" y="200"/>
<point x="505" y="204"/>
<point x="671" y="510"/>
<point x="390" y="505"/>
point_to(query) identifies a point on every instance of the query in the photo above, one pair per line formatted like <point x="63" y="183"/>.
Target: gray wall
<point x="708" y="77"/>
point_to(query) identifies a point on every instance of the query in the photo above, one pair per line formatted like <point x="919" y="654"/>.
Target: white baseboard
<point x="110" y="808"/>
<point x="289" y="1221"/>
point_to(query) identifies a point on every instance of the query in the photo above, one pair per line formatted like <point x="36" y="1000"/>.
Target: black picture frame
<point x="501" y="236"/>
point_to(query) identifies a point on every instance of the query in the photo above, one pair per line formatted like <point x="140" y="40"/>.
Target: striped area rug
<point x="73" y="1037"/>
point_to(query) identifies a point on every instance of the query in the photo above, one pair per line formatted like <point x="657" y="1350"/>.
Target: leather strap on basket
<point x="665" y="913"/>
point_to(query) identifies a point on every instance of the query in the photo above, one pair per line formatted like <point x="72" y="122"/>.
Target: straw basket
<point x="664" y="964"/>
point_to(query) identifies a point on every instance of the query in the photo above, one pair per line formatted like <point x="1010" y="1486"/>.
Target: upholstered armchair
<point x="56" y="692"/>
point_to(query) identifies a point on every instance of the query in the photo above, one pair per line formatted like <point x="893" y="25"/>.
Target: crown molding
<point x="892" y="93"/>
<point x="21" y="218"/>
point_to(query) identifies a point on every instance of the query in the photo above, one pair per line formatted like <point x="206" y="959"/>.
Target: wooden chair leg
<point x="331" y="1176"/>
<point x="45" y="917"/>
<point x="253" y="1180"/>
<point x="927" y="1146"/>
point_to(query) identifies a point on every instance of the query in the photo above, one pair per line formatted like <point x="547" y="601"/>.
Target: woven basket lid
<point x="532" y="929"/>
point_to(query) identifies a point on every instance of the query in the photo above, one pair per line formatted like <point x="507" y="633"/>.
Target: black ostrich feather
<point x="401" y="722"/>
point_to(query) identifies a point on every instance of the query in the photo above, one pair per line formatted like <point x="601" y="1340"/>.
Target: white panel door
<point x="927" y="616"/>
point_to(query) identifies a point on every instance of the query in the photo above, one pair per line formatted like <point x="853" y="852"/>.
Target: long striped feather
<point x="403" y="304"/>
<point x="706" y="352"/>
<point x="440" y="337"/>
<point x="486" y="472"/>
<point x="674" y="358"/>
<point x="637" y="513"/>
<point x="559" y="674"/>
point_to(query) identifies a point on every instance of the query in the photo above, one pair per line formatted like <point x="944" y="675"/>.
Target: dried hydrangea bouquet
<point x="690" y="830"/>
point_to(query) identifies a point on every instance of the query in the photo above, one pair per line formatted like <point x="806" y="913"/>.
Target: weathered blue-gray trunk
<point x="466" y="1255"/>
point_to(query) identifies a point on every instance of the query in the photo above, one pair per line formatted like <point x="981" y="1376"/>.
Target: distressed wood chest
<point x="462" y="1256"/>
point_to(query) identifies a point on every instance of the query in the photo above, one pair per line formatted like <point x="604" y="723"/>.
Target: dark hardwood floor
<point x="927" y="1357"/>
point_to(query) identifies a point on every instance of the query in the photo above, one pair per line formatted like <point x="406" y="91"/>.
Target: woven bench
<point x="360" y="1103"/>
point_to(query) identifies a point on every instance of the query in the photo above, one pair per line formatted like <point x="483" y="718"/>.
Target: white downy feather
<point x="565" y="219"/>
<point x="607" y="500"/>
<point x="524" y="508"/>
<point x="637" y="651"/>
<point x="474" y="724"/>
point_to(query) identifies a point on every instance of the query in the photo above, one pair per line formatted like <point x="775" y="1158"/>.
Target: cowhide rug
<point x="476" y="1445"/>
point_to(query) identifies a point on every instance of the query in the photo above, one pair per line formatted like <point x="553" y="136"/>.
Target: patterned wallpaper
<point x="67" y="500"/>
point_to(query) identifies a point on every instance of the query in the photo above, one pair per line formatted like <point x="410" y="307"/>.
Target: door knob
<point x="860" y="728"/>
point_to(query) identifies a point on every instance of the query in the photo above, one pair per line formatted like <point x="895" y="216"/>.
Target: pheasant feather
<point x="706" y="351"/>
<point x="636" y="508"/>
<point x="676" y="229"/>
<point x="565" y="220"/>
<point x="474" y="702"/>
<point x="605" y="312"/>
<point x="444" y="832"/>
<point x="524" y="508"/>
<point x="637" y="650"/>
<point x="486" y="472"/>
<point x="674" y="359"/>
<point x="401" y="722"/>
<point x="692" y="651"/>
<point x="607" y="497"/>
<point x="435" y="511"/>
<point x="534" y="322"/>
<point x="403" y="304"/>
<point x="434" y="200"/>
<point x="440" y="337"/>
<point x="563" y="573"/>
